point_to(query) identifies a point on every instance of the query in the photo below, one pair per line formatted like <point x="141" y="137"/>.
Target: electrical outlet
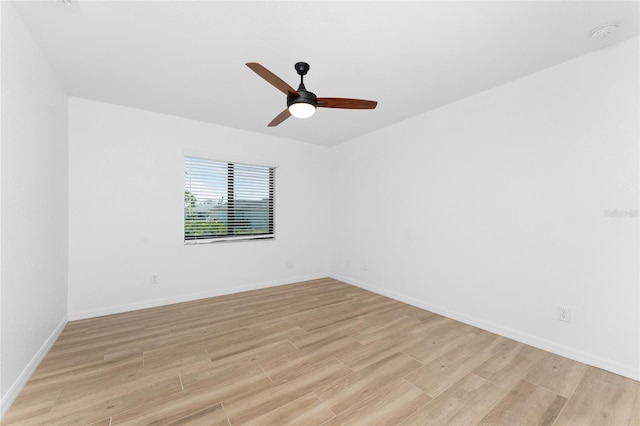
<point x="564" y="314"/>
<point x="364" y="267"/>
<point x="155" y="279"/>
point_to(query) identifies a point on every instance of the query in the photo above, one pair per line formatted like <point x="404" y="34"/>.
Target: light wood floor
<point x="318" y="352"/>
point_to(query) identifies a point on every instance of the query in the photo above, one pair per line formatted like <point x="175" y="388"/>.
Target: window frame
<point x="232" y="199"/>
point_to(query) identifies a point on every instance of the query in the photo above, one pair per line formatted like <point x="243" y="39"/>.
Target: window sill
<point x="229" y="239"/>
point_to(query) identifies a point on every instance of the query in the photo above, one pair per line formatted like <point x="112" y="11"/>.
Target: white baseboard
<point x="630" y="371"/>
<point x="10" y="396"/>
<point x="74" y="316"/>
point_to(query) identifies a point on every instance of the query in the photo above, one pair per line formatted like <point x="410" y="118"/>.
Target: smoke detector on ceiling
<point x="603" y="32"/>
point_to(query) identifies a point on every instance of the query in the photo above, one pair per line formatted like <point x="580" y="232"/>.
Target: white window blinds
<point x="224" y="200"/>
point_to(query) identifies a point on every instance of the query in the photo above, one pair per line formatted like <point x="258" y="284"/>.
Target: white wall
<point x="33" y="204"/>
<point x="492" y="209"/>
<point x="126" y="214"/>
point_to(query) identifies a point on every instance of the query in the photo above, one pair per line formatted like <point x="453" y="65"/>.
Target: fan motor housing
<point x="304" y="97"/>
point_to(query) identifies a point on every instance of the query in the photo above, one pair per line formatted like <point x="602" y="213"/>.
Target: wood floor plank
<point x="635" y="412"/>
<point x="357" y="386"/>
<point x="438" y="327"/>
<point x="511" y="365"/>
<point x="320" y="339"/>
<point x="30" y="405"/>
<point x="175" y="357"/>
<point x="261" y="355"/>
<point x="306" y="410"/>
<point x="601" y="398"/>
<point x="223" y="383"/>
<point x="110" y="401"/>
<point x="435" y="338"/>
<point x="443" y="372"/>
<point x="395" y="403"/>
<point x="292" y="366"/>
<point x="211" y="416"/>
<point x="464" y="403"/>
<point x="259" y="337"/>
<point x="526" y="404"/>
<point x="319" y="351"/>
<point x="118" y="376"/>
<point x="185" y="408"/>
<point x="259" y="401"/>
<point x="83" y="377"/>
<point x="370" y="353"/>
<point x="557" y="374"/>
<point x="391" y="328"/>
<point x="103" y="422"/>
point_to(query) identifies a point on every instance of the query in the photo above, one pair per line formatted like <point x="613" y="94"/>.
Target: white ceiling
<point x="188" y="58"/>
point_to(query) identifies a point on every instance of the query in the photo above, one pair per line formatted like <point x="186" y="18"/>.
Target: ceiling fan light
<point x="302" y="109"/>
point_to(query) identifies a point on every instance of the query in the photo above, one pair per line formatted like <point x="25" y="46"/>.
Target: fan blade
<point x="273" y="79"/>
<point x="280" y="118"/>
<point x="346" y="103"/>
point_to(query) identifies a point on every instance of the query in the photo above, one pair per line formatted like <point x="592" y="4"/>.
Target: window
<point x="227" y="201"/>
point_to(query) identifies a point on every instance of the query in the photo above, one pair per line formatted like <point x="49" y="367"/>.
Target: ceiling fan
<point x="301" y="103"/>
